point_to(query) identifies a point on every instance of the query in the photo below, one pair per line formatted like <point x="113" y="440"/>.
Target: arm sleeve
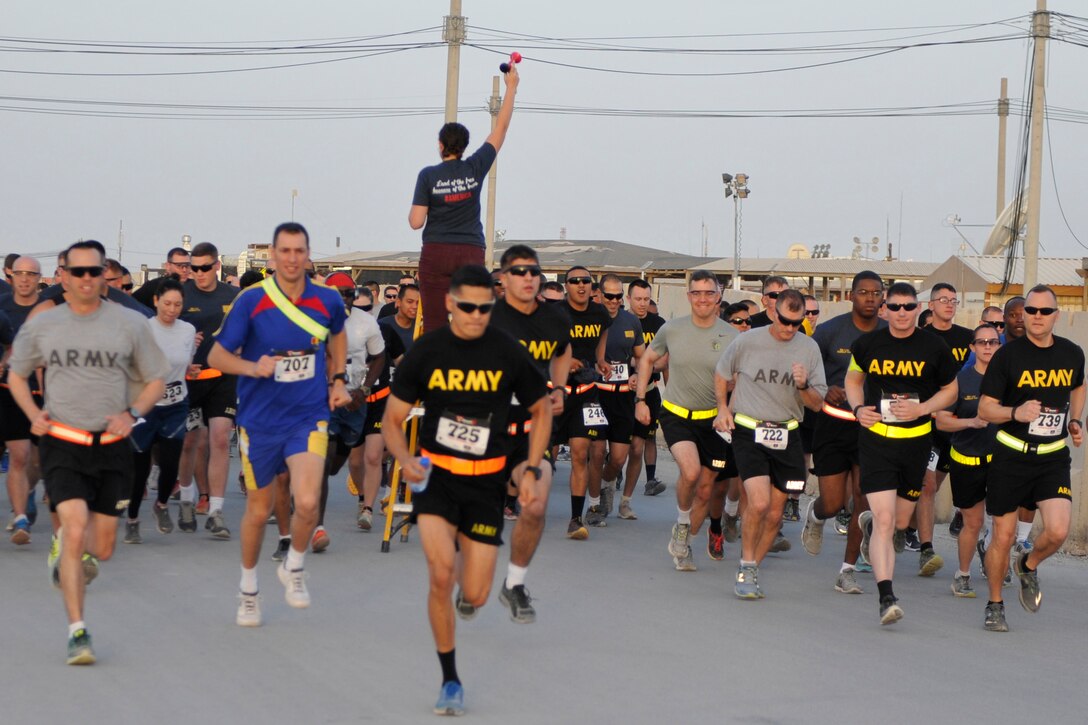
<point x="947" y="367"/>
<point x="7" y="333"/>
<point x="995" y="381"/>
<point x="147" y="356"/>
<point x="25" y="355"/>
<point x="407" y="383"/>
<point x="529" y="385"/>
<point x="422" y="195"/>
<point x="816" y="376"/>
<point x="232" y="333"/>
<point x="375" y="345"/>
<point x="337" y="315"/>
<point x="481" y="160"/>
<point x="660" y="344"/>
<point x="725" y="366"/>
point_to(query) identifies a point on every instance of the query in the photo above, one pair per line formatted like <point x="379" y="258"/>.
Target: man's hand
<point x="723" y="422"/>
<point x="906" y="410"/>
<point x="120" y="424"/>
<point x="867" y="416"/>
<point x="265" y="367"/>
<point x="1076" y="431"/>
<point x="835" y="395"/>
<point x="40" y="425"/>
<point x="1027" y="412"/>
<point x="558" y="398"/>
<point x="338" y="395"/>
<point x="642" y="412"/>
<point x="410" y="469"/>
<point x="800" y="375"/>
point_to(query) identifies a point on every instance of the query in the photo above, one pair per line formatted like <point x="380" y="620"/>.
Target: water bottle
<point x="421" y="486"/>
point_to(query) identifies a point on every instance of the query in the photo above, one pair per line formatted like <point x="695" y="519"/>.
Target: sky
<point x="187" y="165"/>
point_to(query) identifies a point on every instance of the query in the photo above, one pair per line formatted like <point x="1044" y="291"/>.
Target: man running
<point x="644" y="437"/>
<point x="772" y="287"/>
<point x="176" y="266"/>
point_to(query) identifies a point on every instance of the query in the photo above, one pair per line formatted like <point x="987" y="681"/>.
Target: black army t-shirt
<point x="205" y="310"/>
<point x="545" y="333"/>
<point x="958" y="340"/>
<point x="916" y="366"/>
<point x="586" y="327"/>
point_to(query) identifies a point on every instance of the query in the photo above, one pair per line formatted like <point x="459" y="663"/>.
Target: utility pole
<point x="1040" y="30"/>
<point x="120" y="239"/>
<point x="493" y="105"/>
<point x="453" y="32"/>
<point x="1002" y="124"/>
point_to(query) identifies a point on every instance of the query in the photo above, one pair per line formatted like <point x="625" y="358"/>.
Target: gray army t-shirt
<point x="763" y="365"/>
<point x="693" y="353"/>
<point x="93" y="363"/>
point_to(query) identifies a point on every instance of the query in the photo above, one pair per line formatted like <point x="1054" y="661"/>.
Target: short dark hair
<point x="364" y="291"/>
<point x="984" y="326"/>
<point x="991" y="308"/>
<point x="903" y="289"/>
<point x="10" y="259"/>
<point x="176" y="250"/>
<point x="168" y="284"/>
<point x="791" y="300"/>
<point x="405" y="287"/>
<point x="1013" y="302"/>
<point x="701" y="275"/>
<point x="205" y="249"/>
<point x="735" y="308"/>
<point x="864" y="275"/>
<point x="518" y="251"/>
<point x="87" y="244"/>
<point x="611" y="278"/>
<point x="470" y="275"/>
<point x="250" y="278"/>
<point x="114" y="266"/>
<point x="290" y="228"/>
<point x="372" y="282"/>
<point x="809" y="297"/>
<point x="1040" y="289"/>
<point x="124" y="271"/>
<point x="454" y="139"/>
<point x="774" y="279"/>
<point x="577" y="266"/>
<point x="554" y="286"/>
<point x="940" y="287"/>
<point x="639" y="284"/>
<point x="923" y="319"/>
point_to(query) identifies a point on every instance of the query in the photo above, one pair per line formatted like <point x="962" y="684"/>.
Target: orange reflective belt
<point x="614" y="387"/>
<point x="463" y="467"/>
<point x="378" y="395"/>
<point x="580" y="389"/>
<point x="523" y="427"/>
<point x="839" y="413"/>
<point x="206" y="374"/>
<point x="79" y="436"/>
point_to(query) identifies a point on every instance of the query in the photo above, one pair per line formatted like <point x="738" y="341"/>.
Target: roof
<point x="822" y="267"/>
<point x="1054" y="271"/>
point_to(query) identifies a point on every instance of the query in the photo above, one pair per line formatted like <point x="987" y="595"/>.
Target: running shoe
<point x="730" y="529"/>
<point x="793" y="510"/>
<point x="53" y="562"/>
<point x="1022" y="547"/>
<point x="865" y="523"/>
<point x="520" y="603"/>
<point x="451" y="699"/>
<point x="563" y="454"/>
<point x="685" y="562"/>
<point x="890" y="611"/>
<point x="995" y="617"/>
<point x="715" y="546"/>
<point x="153" y="478"/>
<point x="31" y="507"/>
<point x="20" y="531"/>
<point x="510" y="513"/>
<point x="294" y="584"/>
<point x="842" y="522"/>
<point x="352" y="488"/>
<point x="961" y="587"/>
<point x="249" y="610"/>
<point x="175" y="494"/>
<point x="899" y="541"/>
<point x="577" y="530"/>
<point x="847" y="583"/>
<point x="132" y="533"/>
<point x="595" y="516"/>
<point x="929" y="563"/>
<point x="365" y="519"/>
<point x="1031" y="596"/>
<point x="320" y="540"/>
<point x="653" y="487"/>
<point x="281" y="549"/>
<point x="747" y="586"/>
<point x="863" y="567"/>
<point x="678" y="543"/>
<point x="812" y="535"/>
<point x="90" y="568"/>
<point x="202" y="504"/>
<point x="215" y="525"/>
<point x="956" y="525"/>
<point x="80" y="651"/>
<point x="608" y="495"/>
<point x="780" y="544"/>
<point x="162" y="519"/>
<point x="465" y="610"/>
<point x="626" y="512"/>
<point x="187" y="517"/>
<point x="911" y="542"/>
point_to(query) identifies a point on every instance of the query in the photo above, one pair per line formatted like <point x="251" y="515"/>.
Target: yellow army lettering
<point x="484" y="530"/>
<point x="914" y="494"/>
<point x="648" y="337"/>
<point x="541" y="349"/>
<point x="581" y="332"/>
<point x="959" y="353"/>
<point x="1062" y="490"/>
<point x="1045" y="379"/>
<point x="480" y="381"/>
<point x="902" y="368"/>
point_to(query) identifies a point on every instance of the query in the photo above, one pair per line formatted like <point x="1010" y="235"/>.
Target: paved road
<point x="620" y="637"/>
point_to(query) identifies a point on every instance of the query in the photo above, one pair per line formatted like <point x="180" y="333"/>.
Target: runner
<point x="446" y="205"/>
<point x="85" y="345"/>
<point x="390" y="306"/>
<point x="763" y="416"/>
<point x="544" y="330"/>
<point x="285" y="327"/>
<point x="175" y="266"/>
<point x="898" y="377"/>
<point x="464" y="375"/>
<point x="772" y="286"/>
<point x="1034" y="390"/>
<point x="835" y="437"/>
<point x="644" y="437"/>
<point x="694" y="343"/>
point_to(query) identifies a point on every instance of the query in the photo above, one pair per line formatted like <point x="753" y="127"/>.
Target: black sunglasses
<point x="986" y="343"/>
<point x="998" y="325"/>
<point x="365" y="308"/>
<point x="496" y="283"/>
<point x="579" y="280"/>
<point x="203" y="267"/>
<point x="86" y="271"/>
<point x="1044" y="311"/>
<point x="790" y="323"/>
<point x="470" y="307"/>
<point x="391" y="296"/>
<point x="520" y="270"/>
<point x="772" y="295"/>
<point x="896" y="306"/>
<point x="613" y="295"/>
<point x="127" y="287"/>
<point x="812" y="313"/>
<point x="739" y="321"/>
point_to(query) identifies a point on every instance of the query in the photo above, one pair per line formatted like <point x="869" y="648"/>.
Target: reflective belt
<point x="291" y="312"/>
<point x="1024" y="447"/>
<point x="689" y="414"/>
<point x="580" y="389"/>
<point x="463" y="467"/>
<point x="968" y="460"/>
<point x="750" y="422"/>
<point x="839" y="413"/>
<point x="614" y="387"/>
<point x="81" y="437"/>
<point x="891" y="431"/>
<point x="523" y="427"/>
<point x="378" y="395"/>
<point x="206" y="374"/>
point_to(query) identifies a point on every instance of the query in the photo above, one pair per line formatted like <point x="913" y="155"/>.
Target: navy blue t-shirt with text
<point x="451" y="192"/>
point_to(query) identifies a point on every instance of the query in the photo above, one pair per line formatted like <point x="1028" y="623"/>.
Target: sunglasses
<point x="989" y="342"/>
<point x="365" y="308"/>
<point x="579" y="280"/>
<point x="1044" y="311"/>
<point x="470" y="307"/>
<point x="790" y="323"/>
<point x="497" y="283"/>
<point x="613" y="295"/>
<point x="25" y="273"/>
<point x="520" y="270"/>
<point x="812" y="313"/>
<point x="183" y="265"/>
<point x="896" y="306"/>
<point x="86" y="271"/>
<point x="998" y="325"/>
<point x="391" y="296"/>
<point x="771" y="295"/>
<point x="202" y="267"/>
<point x="739" y="321"/>
<point x="947" y="300"/>
<point x="128" y="287"/>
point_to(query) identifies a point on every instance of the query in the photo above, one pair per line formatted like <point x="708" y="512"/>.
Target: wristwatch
<point x="343" y="377"/>
<point x="639" y="400"/>
<point x="535" y="470"/>
<point x="134" y="412"/>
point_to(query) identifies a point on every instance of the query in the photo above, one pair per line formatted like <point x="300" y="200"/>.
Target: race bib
<point x="465" y="435"/>
<point x="773" y="436"/>
<point x="295" y="366"/>
<point x="593" y="416"/>
<point x="195" y="419"/>
<point x="934" y="457"/>
<point x="1048" y="424"/>
<point x="620" y="373"/>
<point x="886" y="401"/>
<point x="174" y="393"/>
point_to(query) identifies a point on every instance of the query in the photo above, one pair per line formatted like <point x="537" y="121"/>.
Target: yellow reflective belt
<point x="968" y="460"/>
<point x="293" y="313"/>
<point x="890" y="431"/>
<point x="750" y="422"/>
<point x="689" y="414"/>
<point x="1024" y="447"/>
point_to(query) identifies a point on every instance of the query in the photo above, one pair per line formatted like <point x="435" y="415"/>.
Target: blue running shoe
<point x="451" y="699"/>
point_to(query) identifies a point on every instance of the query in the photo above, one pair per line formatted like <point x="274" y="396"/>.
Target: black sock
<point x="651" y="471"/>
<point x="449" y="667"/>
<point x="511" y="501"/>
<point x="884" y="587"/>
<point x="361" y="497"/>
<point x="577" y="504"/>
<point x="927" y="546"/>
<point x="1024" y="563"/>
<point x="990" y="604"/>
<point x="912" y="531"/>
<point x="716" y="525"/>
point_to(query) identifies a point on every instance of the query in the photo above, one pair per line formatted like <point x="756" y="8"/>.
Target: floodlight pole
<point x="1040" y="30"/>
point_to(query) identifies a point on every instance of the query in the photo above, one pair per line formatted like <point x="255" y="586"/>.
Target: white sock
<point x="812" y="516"/>
<point x="75" y="627"/>
<point x="683" y="517"/>
<point x="731" y="507"/>
<point x="21" y="517"/>
<point x="294" y="559"/>
<point x="610" y="484"/>
<point x="747" y="563"/>
<point x="1023" y="530"/>
<point x="625" y="499"/>
<point x="248" y="585"/>
<point x="215" y="503"/>
<point x="594" y="500"/>
<point x="188" y="493"/>
<point x="962" y="573"/>
<point x="846" y="567"/>
<point x="515" y="575"/>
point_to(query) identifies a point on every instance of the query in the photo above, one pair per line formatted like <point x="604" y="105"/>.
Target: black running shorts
<point x="714" y="452"/>
<point x="471" y="503"/>
<point x="785" y="467"/>
<point x="893" y="464"/>
<point x="101" y="475"/>
<point x="1022" y="479"/>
